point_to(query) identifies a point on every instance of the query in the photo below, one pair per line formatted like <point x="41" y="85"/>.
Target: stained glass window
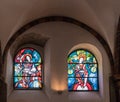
<point x="82" y="71"/>
<point x="27" y="69"/>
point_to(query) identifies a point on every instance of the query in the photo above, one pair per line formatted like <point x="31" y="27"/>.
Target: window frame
<point x="86" y="50"/>
<point x="40" y="88"/>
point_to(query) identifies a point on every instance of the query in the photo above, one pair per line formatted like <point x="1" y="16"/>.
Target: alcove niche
<point x="55" y="40"/>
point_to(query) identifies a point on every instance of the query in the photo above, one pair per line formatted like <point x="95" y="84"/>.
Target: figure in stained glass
<point x="82" y="71"/>
<point x="27" y="69"/>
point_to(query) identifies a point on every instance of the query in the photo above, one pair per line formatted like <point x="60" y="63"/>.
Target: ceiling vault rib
<point x="60" y="19"/>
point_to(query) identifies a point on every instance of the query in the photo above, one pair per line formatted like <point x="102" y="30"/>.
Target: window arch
<point x="27" y="72"/>
<point x="82" y="71"/>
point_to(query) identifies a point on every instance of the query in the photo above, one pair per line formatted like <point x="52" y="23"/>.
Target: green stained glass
<point x="82" y="71"/>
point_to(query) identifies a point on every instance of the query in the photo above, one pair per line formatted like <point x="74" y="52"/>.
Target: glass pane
<point x="82" y="70"/>
<point x="29" y="69"/>
<point x="71" y="70"/>
<point x="90" y="58"/>
<point x="28" y="55"/>
<point x="82" y="84"/>
<point x="27" y="82"/>
<point x="94" y="83"/>
<point x="81" y="56"/>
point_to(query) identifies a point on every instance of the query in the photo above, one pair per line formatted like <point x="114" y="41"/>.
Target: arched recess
<point x="60" y="19"/>
<point x="27" y="69"/>
<point x="26" y="40"/>
<point x="83" y="71"/>
<point x="98" y="96"/>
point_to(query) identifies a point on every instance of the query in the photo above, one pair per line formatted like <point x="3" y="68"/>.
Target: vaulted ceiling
<point x="101" y="15"/>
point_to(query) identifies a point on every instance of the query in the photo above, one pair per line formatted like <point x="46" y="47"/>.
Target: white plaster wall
<point x="95" y="95"/>
<point x="47" y="68"/>
<point x="22" y="95"/>
<point x="9" y="72"/>
<point x="62" y="38"/>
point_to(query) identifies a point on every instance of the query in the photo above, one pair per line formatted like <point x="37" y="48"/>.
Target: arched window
<point x="82" y="71"/>
<point x="27" y="69"/>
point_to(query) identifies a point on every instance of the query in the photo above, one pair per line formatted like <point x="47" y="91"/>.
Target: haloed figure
<point x="28" y="69"/>
<point x="28" y="66"/>
<point x="81" y="76"/>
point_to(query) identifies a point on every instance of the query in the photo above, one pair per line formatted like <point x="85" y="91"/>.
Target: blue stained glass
<point x="82" y="71"/>
<point x="77" y="84"/>
<point x="28" y="55"/>
<point x="27" y="82"/>
<point x="27" y="69"/>
<point x="86" y="56"/>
